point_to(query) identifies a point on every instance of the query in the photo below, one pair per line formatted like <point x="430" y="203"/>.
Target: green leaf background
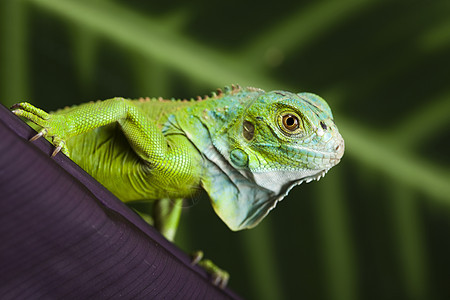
<point x="377" y="226"/>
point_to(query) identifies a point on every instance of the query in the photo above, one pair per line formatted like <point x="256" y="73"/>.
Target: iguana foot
<point x="219" y="276"/>
<point x="52" y="125"/>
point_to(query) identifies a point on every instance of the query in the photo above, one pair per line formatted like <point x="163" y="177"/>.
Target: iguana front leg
<point x="170" y="161"/>
<point x="144" y="136"/>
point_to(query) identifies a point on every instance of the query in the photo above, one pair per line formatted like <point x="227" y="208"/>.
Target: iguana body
<point x="245" y="147"/>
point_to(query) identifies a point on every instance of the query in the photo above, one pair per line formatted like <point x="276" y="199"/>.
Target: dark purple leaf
<point x="64" y="236"/>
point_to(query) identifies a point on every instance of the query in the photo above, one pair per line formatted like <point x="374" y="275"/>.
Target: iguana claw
<point x="196" y="257"/>
<point x="219" y="276"/>
<point x="57" y="149"/>
<point x="51" y="125"/>
<point x="41" y="133"/>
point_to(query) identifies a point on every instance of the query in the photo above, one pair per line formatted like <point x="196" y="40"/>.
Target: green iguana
<point x="246" y="148"/>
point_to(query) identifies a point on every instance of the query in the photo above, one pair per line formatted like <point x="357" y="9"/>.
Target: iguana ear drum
<point x="239" y="157"/>
<point x="248" y="130"/>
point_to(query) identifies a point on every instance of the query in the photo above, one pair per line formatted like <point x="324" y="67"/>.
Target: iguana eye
<point x="290" y="122"/>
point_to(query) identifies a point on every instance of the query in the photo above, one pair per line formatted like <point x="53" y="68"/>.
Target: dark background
<point x="377" y="226"/>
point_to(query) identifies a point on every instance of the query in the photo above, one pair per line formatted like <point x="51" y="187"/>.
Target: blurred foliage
<point x="378" y="225"/>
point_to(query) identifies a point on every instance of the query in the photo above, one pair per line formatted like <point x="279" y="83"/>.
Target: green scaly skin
<point x="246" y="148"/>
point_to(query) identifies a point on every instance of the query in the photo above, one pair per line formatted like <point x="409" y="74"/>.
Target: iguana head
<point x="272" y="142"/>
<point x="283" y="132"/>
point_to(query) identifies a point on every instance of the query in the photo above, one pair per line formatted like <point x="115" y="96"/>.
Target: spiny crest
<point x="219" y="93"/>
<point x="146" y="99"/>
<point x="233" y="89"/>
<point x="159" y="99"/>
